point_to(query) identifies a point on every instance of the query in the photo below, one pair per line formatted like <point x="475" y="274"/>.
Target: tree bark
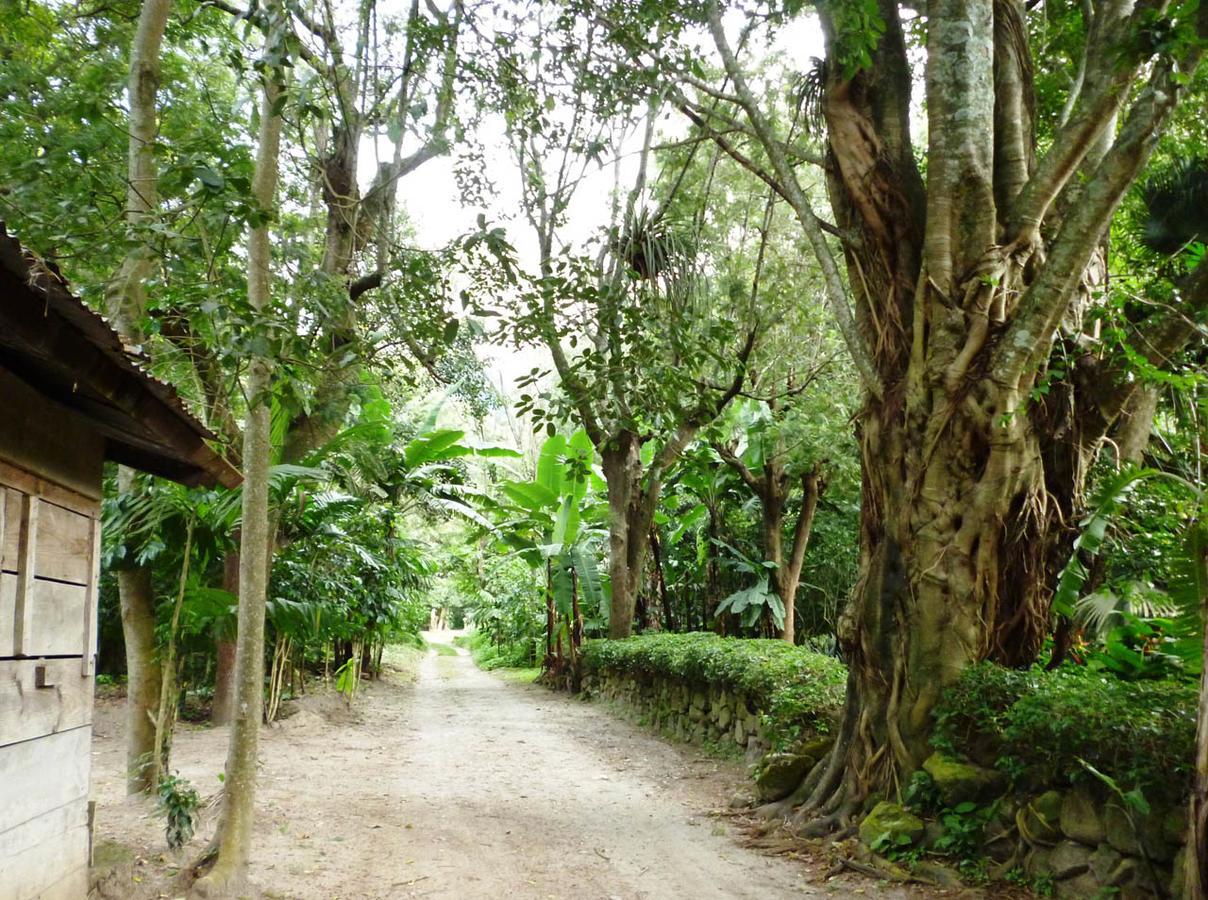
<point x="143" y="676"/>
<point x="222" y="707"/>
<point x="632" y="496"/>
<point x="788" y="582"/>
<point x="238" y="810"/>
<point x="660" y="581"/>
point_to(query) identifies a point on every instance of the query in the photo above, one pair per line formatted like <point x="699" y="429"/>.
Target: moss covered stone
<point x="960" y="782"/>
<point x="1040" y="820"/>
<point x="780" y="774"/>
<point x="890" y="821"/>
<point x="1081" y="819"/>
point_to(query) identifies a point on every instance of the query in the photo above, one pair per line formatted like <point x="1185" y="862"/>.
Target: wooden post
<point x="3" y="516"/>
<point x="23" y="609"/>
<point x="88" y="663"/>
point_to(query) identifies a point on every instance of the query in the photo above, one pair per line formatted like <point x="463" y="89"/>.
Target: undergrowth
<point x="488" y="655"/>
<point x="1043" y="728"/>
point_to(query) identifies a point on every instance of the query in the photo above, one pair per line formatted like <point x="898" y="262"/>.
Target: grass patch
<point x="403" y="660"/>
<point x="441" y="649"/>
<point x="518" y="676"/>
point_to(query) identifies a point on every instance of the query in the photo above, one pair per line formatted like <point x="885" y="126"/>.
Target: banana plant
<point x="553" y="523"/>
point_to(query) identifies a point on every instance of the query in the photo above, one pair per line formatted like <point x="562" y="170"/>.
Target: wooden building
<point x="71" y="397"/>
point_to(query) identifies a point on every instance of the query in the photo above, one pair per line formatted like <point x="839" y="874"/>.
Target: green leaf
<point x="550" y="468"/>
<point x="530" y="495"/>
<point x="435" y="445"/>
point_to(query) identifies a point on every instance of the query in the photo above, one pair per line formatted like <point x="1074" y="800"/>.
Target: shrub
<point x="1042" y="725"/>
<point x="797" y="689"/>
<point x="489" y="655"/>
<point x="179" y="803"/>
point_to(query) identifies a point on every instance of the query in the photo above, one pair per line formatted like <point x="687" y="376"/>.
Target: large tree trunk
<point x="239" y="789"/>
<point x="143" y="676"/>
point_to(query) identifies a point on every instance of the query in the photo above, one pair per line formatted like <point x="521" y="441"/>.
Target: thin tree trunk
<point x="234" y="847"/>
<point x="126" y="305"/>
<point x="771" y="524"/>
<point x="811" y="490"/>
<point x="1195" y="863"/>
<point x="660" y="580"/>
<point x="169" y="702"/>
<point x="712" y="576"/>
<point x="550" y="617"/>
<point x="224" y="673"/>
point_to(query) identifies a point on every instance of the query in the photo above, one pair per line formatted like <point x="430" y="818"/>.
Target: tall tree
<point x="126" y="301"/>
<point x="962" y="307"/>
<point x="239" y="786"/>
<point x="636" y="337"/>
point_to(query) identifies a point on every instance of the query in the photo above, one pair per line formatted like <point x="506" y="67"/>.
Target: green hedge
<point x="797" y="689"/>
<point x="1038" y="727"/>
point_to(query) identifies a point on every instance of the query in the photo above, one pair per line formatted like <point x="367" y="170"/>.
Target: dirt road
<point x="462" y="785"/>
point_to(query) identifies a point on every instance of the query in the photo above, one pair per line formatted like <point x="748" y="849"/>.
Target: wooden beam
<point x="28" y="483"/>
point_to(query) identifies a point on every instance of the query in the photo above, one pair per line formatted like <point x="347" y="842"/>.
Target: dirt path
<point x="466" y="786"/>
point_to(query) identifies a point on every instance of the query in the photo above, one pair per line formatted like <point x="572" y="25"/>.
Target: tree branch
<point x="836" y="293"/>
<point x="1027" y="339"/>
<point x="730" y="458"/>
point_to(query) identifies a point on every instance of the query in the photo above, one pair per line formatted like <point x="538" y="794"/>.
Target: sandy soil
<point x="462" y="785"/>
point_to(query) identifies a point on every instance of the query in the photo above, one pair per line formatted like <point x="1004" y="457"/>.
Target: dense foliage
<point x="1044" y="728"/>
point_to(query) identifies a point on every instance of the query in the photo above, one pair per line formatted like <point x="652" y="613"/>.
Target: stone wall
<point x="690" y="712"/>
<point x="1080" y="842"/>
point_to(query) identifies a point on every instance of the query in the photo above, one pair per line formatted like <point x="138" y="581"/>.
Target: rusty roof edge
<point x="93" y="327"/>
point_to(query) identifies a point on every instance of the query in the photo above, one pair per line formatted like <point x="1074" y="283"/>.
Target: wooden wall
<point x="50" y="468"/>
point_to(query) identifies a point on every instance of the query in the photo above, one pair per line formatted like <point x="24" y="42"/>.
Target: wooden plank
<point x="8" y="606"/>
<point x="64" y="544"/>
<point x="26" y="482"/>
<point x="52" y="441"/>
<point x="57" y="611"/>
<point x="41" y="775"/>
<point x="88" y="667"/>
<point x="47" y="858"/>
<point x="23" y="608"/>
<point x="9" y="546"/>
<point x="28" y="711"/>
